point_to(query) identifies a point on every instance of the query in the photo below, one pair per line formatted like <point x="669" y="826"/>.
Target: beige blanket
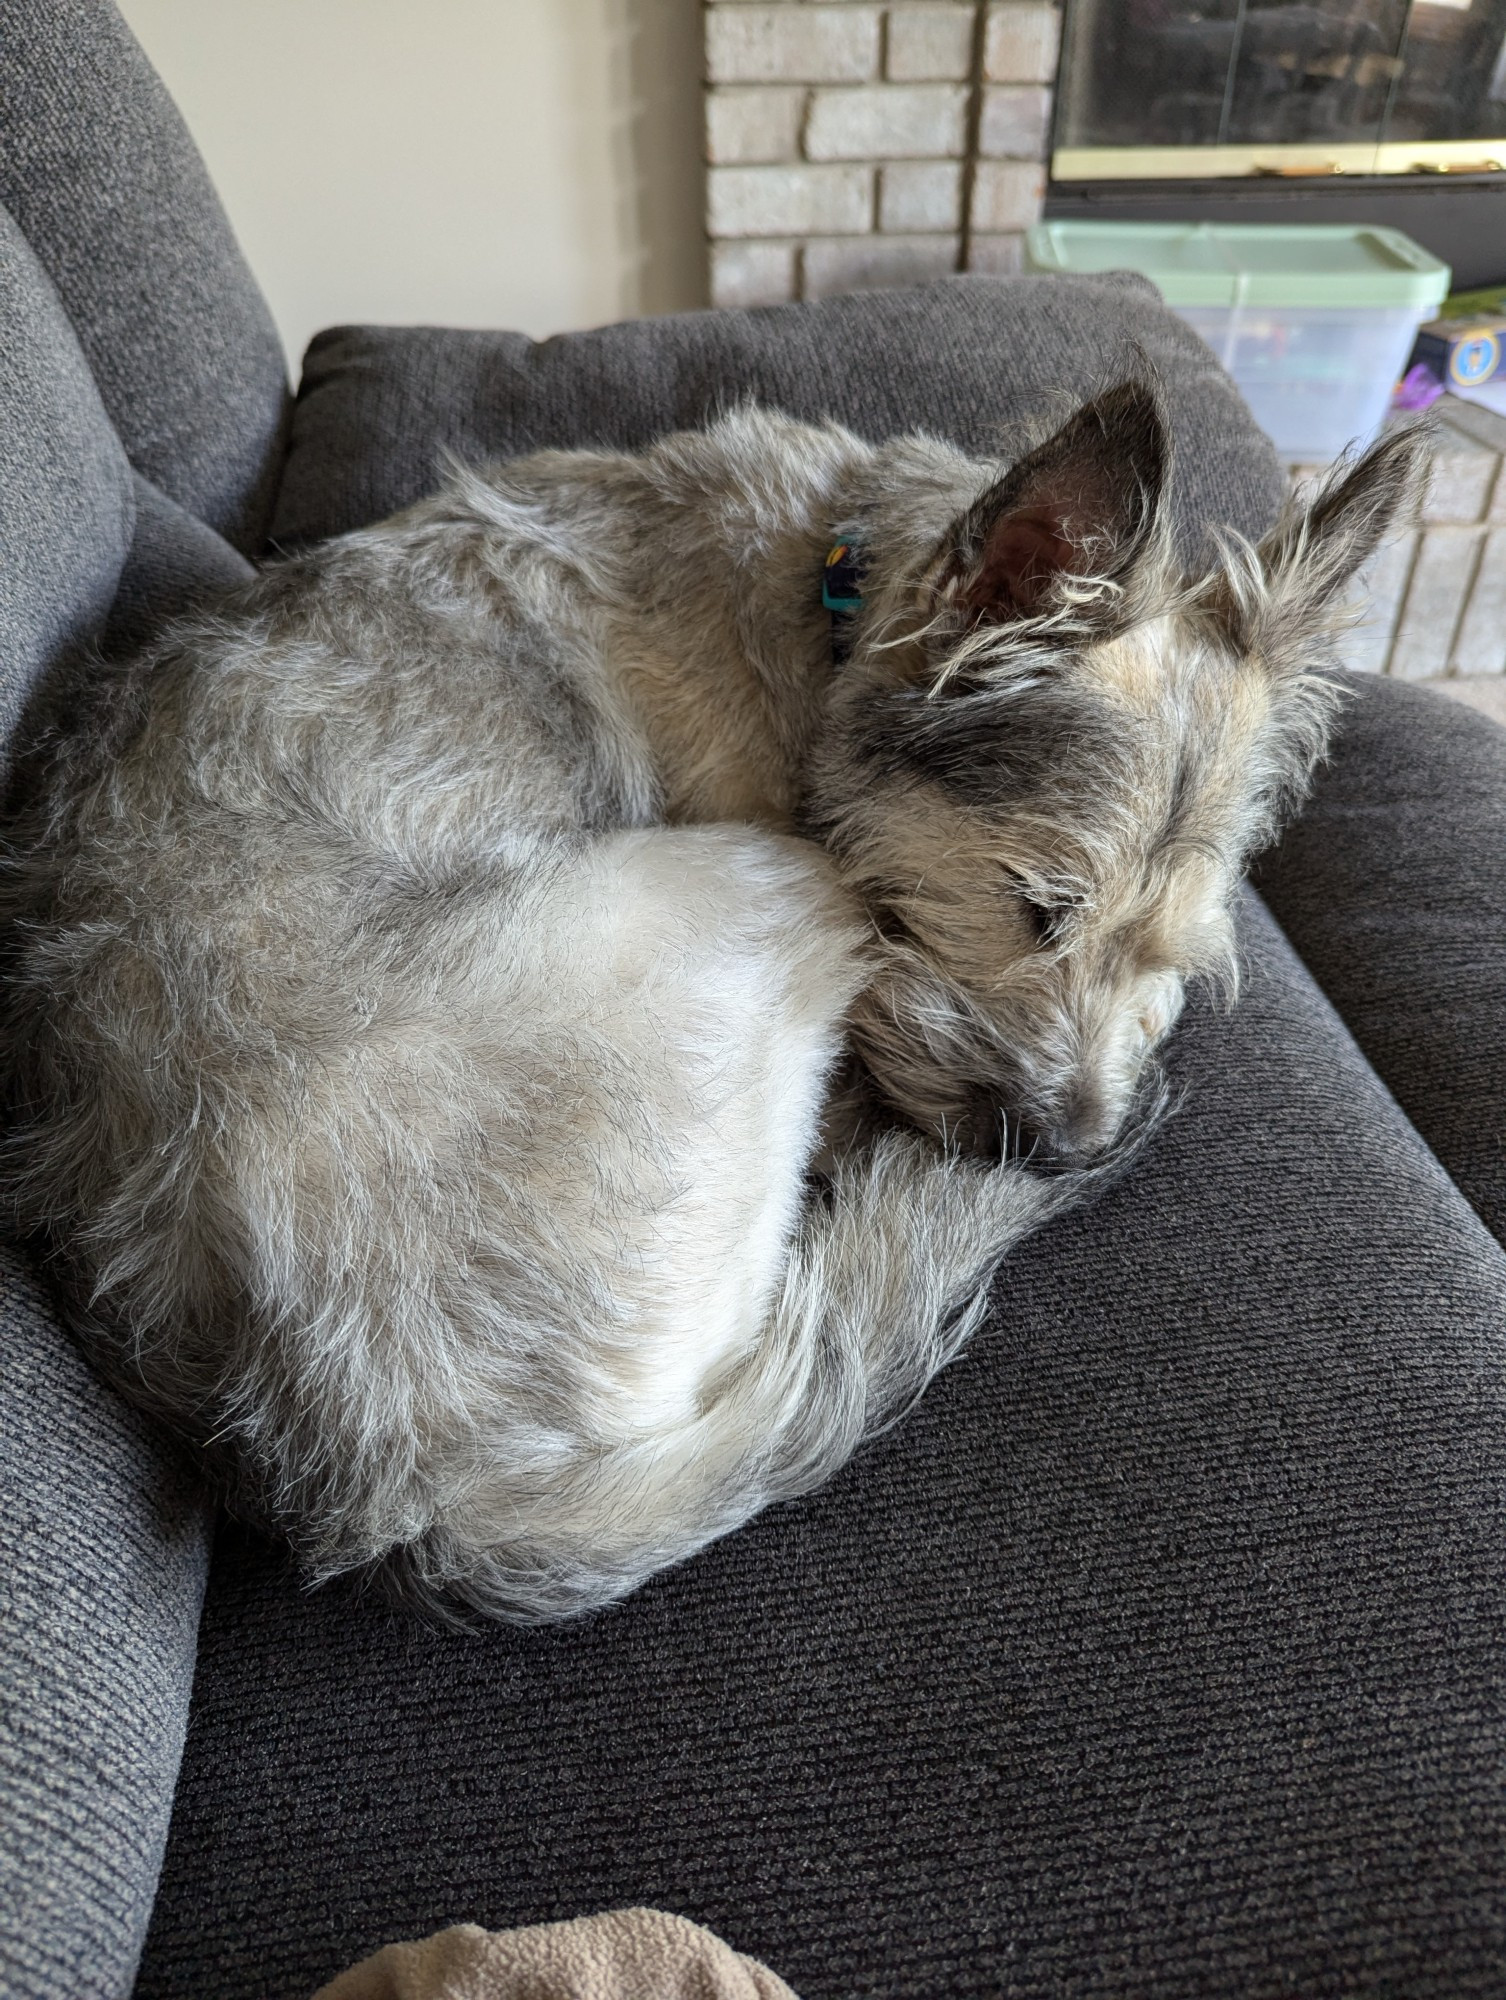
<point x="621" y="1955"/>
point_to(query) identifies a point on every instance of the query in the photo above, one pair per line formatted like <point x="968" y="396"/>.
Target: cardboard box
<point x="1462" y="351"/>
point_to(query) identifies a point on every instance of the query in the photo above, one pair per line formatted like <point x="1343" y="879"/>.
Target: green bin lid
<point x="1250" y="263"/>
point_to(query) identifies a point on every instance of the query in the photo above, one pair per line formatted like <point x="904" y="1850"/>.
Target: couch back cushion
<point x="67" y="507"/>
<point x="969" y="359"/>
<point x="1392" y="885"/>
<point x="98" y="169"/>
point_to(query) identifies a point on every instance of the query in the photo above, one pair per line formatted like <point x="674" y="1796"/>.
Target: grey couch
<point x="1159" y="1652"/>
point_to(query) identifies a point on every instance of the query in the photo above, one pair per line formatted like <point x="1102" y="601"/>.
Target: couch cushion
<point x="66" y="505"/>
<point x="103" y="1548"/>
<point x="1157" y="1652"/>
<point x="93" y="552"/>
<point x="966" y="358"/>
<point x="174" y="563"/>
<point x="103" y="1535"/>
<point x="98" y="168"/>
<point x="1392" y="885"/>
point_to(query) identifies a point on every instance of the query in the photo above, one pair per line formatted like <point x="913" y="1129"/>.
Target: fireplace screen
<point x="1180" y="89"/>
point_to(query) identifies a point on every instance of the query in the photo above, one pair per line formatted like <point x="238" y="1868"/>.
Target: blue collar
<point x="842" y="591"/>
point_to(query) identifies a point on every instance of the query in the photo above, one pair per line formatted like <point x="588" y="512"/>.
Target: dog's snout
<point x="1068" y="1146"/>
<point x="1095" y="1119"/>
<point x="1085" y="1122"/>
<point x="1066" y="1133"/>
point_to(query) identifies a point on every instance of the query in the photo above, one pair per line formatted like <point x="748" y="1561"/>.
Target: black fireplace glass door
<point x="1146" y="72"/>
<point x="1453" y="75"/>
<point x="1306" y="74"/>
<point x="1271" y="74"/>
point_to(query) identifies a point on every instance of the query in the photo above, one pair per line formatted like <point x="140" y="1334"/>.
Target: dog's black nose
<point x="1079" y="1130"/>
<point x="1064" y="1139"/>
<point x="1054" y="1151"/>
<point x="1036" y="1145"/>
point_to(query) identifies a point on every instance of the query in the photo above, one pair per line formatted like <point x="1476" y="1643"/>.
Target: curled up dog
<point x="437" y="983"/>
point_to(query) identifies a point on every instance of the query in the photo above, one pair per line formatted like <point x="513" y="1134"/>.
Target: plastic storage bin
<point x="1315" y="322"/>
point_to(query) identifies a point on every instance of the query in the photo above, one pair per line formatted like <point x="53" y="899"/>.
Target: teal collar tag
<point x="842" y="579"/>
<point x="842" y="591"/>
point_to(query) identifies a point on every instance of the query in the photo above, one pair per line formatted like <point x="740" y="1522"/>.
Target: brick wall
<point x="854" y="145"/>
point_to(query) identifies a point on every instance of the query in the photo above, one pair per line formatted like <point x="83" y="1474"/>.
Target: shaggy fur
<point x="432" y="971"/>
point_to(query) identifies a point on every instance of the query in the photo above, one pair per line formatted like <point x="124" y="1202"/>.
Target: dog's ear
<point x="1314" y="550"/>
<point x="1080" y="508"/>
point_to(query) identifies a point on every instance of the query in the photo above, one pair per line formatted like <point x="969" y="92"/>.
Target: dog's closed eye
<point x="1043" y="914"/>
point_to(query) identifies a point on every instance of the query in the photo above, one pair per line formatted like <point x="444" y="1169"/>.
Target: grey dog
<point x="432" y="982"/>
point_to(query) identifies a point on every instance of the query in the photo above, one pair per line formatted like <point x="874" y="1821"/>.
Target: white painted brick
<point x="1016" y="119"/>
<point x="1377" y="591"/>
<point x="1006" y="195"/>
<point x="754" y="124"/>
<point x="889" y="121"/>
<point x="861" y="265"/>
<point x="929" y="44"/>
<point x="1463" y="474"/>
<point x="1440" y="583"/>
<point x="1480" y="647"/>
<point x="790" y="201"/>
<point x="792" y="44"/>
<point x="921" y="195"/>
<point x="1020" y="42"/>
<point x="1487" y="427"/>
<point x="999" y="254"/>
<point x="752" y="274"/>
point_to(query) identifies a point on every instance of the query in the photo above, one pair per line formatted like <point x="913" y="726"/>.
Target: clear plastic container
<point x="1315" y="322"/>
<point x="1316" y="378"/>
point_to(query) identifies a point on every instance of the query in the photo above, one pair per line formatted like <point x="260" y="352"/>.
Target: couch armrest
<point x="104" y="1543"/>
<point x="1392" y="887"/>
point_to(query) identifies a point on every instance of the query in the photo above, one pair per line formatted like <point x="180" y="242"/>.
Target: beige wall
<point x="521" y="163"/>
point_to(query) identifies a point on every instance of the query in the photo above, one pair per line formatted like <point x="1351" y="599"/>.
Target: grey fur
<point x="432" y="971"/>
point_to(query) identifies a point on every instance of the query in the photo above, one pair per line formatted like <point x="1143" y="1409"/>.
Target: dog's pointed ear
<point x="1314" y="550"/>
<point x="1083" y="505"/>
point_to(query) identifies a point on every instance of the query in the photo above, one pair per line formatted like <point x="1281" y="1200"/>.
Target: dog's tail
<point x="887" y="1279"/>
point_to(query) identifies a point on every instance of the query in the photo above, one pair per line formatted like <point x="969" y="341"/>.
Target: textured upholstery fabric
<point x="98" y="169"/>
<point x="103" y="1548"/>
<point x="1392" y="885"/>
<point x="66" y="505"/>
<point x="1156" y="1653"/>
<point x="103" y="1538"/>
<point x="966" y="358"/>
<point x="174" y="563"/>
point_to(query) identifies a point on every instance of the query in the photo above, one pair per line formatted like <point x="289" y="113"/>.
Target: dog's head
<point x="1052" y="752"/>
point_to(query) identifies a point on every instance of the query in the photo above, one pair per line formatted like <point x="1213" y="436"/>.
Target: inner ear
<point x="1023" y="555"/>
<point x="1083" y="504"/>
